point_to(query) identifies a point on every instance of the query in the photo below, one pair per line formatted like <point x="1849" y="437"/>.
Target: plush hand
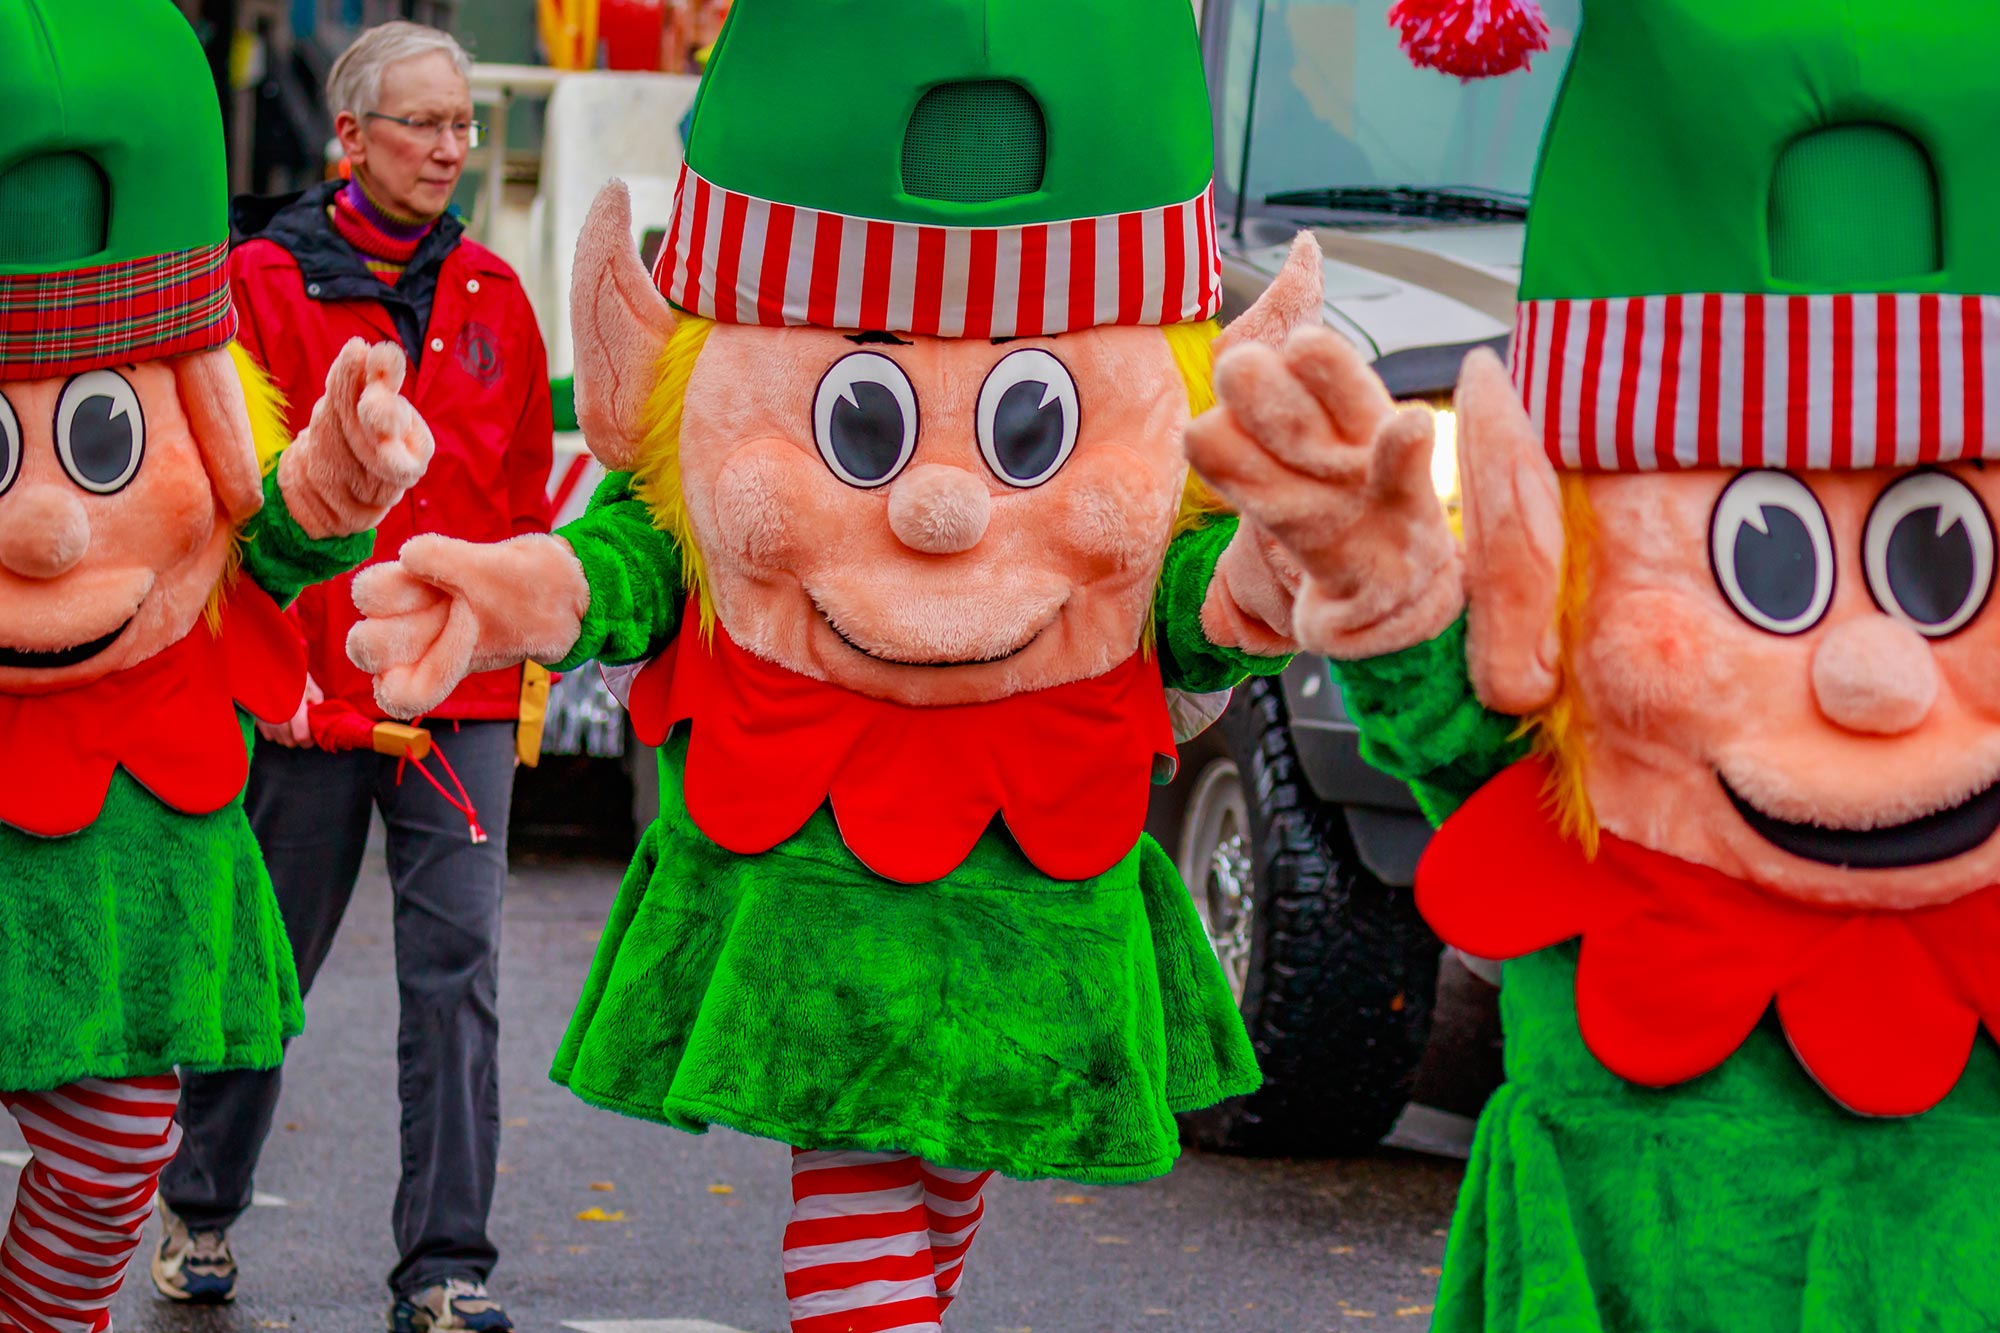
<point x="364" y="447"/>
<point x="1250" y="601"/>
<point x="297" y="733"/>
<point x="1307" y="445"/>
<point x="446" y="608"/>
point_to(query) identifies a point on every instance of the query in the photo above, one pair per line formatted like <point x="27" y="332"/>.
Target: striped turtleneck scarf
<point x="384" y="240"/>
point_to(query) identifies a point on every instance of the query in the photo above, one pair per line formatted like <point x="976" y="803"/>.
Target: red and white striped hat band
<point x="741" y="260"/>
<point x="1803" y="382"/>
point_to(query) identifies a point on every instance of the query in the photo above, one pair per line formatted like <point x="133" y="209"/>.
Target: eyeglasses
<point x="469" y="131"/>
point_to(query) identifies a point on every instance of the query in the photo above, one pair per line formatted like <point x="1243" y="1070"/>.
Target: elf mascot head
<point x="1729" y="538"/>
<point x="908" y="383"/>
<point x="134" y="436"/>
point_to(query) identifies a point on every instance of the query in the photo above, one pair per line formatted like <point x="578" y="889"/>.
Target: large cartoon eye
<point x="1928" y="550"/>
<point x="10" y="444"/>
<point x="1772" y="552"/>
<point x="865" y="419"/>
<point x="100" y="431"/>
<point x="1028" y="417"/>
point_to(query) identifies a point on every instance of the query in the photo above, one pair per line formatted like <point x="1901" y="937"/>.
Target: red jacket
<point x="480" y="379"/>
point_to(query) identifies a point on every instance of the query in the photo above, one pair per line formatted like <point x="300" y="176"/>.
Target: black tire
<point x="1341" y="971"/>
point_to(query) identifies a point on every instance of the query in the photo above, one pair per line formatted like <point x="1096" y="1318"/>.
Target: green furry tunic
<point x="152" y="938"/>
<point x="1744" y="1201"/>
<point x="997" y="1018"/>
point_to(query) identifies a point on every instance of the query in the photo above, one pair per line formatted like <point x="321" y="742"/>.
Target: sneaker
<point x="193" y="1266"/>
<point x="459" y="1304"/>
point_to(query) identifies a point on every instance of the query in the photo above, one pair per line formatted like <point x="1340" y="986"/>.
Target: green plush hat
<point x="958" y="167"/>
<point x="113" y="190"/>
<point x="1762" y="234"/>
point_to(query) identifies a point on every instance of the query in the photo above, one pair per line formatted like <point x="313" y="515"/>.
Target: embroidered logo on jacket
<point x="479" y="353"/>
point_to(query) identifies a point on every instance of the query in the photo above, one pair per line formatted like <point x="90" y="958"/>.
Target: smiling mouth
<point x="903" y="661"/>
<point x="1921" y="842"/>
<point x="61" y="657"/>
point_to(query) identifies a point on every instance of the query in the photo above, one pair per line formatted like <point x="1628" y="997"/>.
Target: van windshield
<point x="1340" y="108"/>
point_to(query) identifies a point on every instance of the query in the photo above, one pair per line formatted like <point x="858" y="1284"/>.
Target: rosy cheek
<point x="166" y="519"/>
<point x="1649" y="661"/>
<point x="1111" y="511"/>
<point x="1966" y="662"/>
<point x="760" y="505"/>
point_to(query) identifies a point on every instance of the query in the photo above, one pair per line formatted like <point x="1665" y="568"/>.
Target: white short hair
<point x="355" y="82"/>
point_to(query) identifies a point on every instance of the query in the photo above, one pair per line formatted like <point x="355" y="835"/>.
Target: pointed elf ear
<point x="620" y="325"/>
<point x="1513" y="542"/>
<point x="1471" y="38"/>
<point x="212" y="397"/>
<point x="1294" y="300"/>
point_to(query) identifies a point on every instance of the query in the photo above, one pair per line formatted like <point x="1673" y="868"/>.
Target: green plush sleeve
<point x="1188" y="661"/>
<point x="1421" y="722"/>
<point x="283" y="561"/>
<point x="634" y="573"/>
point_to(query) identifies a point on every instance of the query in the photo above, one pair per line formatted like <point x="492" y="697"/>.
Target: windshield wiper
<point x="1409" y="201"/>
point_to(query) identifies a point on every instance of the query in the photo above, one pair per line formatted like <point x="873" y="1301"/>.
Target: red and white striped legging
<point x="877" y="1241"/>
<point x="99" y="1147"/>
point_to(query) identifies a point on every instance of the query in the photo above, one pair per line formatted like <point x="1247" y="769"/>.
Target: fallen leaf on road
<point x="577" y="1249"/>
<point x="1431" y="1270"/>
<point x="516" y="1122"/>
<point x="294" y="1126"/>
<point x="603" y="1186"/>
<point x="1412" y="1311"/>
<point x="1340" y="1249"/>
<point x="1190" y="1249"/>
<point x="722" y="1189"/>
<point x="1074" y="1199"/>
<point x="1359" y="1314"/>
<point x="505" y="1169"/>
<point x="1111" y="1240"/>
<point x="599" y="1215"/>
<point x="274" y="1323"/>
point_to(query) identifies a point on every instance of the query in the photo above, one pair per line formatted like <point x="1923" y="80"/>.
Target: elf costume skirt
<point x="997" y="1019"/>
<point x="150" y="940"/>
<point x="1744" y="1201"/>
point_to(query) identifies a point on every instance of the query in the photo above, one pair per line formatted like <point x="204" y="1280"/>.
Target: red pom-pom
<point x="1471" y="38"/>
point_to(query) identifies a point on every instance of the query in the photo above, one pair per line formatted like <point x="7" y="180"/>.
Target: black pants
<point x="310" y="811"/>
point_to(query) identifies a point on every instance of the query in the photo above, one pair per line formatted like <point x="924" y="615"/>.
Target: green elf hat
<point x="113" y="192"/>
<point x="959" y="168"/>
<point x="1762" y="236"/>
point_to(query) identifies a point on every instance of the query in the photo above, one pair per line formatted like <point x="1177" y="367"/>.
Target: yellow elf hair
<point x="266" y="408"/>
<point x="1560" y="729"/>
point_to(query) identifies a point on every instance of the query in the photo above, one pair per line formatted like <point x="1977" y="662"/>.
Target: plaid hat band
<point x="743" y="260"/>
<point x="1655" y="383"/>
<point x="74" y="320"/>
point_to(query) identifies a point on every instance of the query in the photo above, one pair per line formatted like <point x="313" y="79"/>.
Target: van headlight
<point x="1444" y="450"/>
<point x="1444" y="456"/>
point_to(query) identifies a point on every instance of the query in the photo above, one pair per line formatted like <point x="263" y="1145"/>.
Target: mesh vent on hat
<point x="1854" y="207"/>
<point x="975" y="142"/>
<point x="53" y="209"/>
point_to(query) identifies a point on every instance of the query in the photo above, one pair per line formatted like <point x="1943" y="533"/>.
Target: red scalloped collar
<point x="170" y="722"/>
<point x="1679" y="962"/>
<point x="913" y="789"/>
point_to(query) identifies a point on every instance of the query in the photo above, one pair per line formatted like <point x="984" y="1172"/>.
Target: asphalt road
<point x="691" y="1244"/>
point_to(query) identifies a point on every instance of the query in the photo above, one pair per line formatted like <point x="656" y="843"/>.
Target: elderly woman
<point x="378" y="257"/>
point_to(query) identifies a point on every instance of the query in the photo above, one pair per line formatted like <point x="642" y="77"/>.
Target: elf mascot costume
<point x="149" y="527"/>
<point x="901" y="523"/>
<point x="1708" y="692"/>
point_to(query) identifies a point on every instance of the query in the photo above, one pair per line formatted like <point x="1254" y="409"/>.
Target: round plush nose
<point x="1875" y="675"/>
<point x="939" y="510"/>
<point x="43" y="532"/>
